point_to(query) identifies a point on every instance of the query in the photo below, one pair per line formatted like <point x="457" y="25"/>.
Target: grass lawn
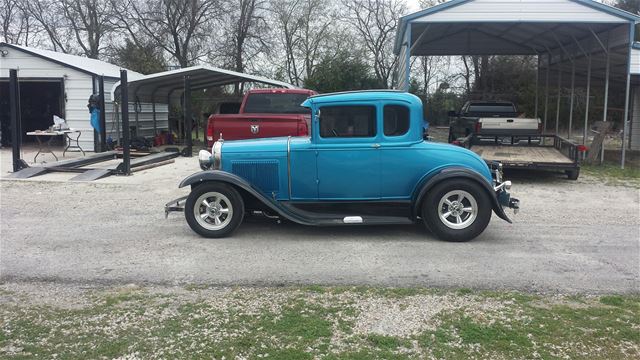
<point x="71" y="322"/>
<point x="611" y="173"/>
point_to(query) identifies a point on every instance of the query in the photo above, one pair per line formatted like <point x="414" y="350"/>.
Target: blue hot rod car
<point x="365" y="163"/>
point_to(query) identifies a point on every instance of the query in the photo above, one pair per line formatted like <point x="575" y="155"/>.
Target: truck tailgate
<point x="252" y="126"/>
<point x="508" y="125"/>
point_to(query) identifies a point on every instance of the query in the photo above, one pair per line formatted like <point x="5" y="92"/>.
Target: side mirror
<point x="452" y="113"/>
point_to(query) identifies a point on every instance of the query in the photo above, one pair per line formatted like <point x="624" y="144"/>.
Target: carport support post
<point x="16" y="121"/>
<point x="537" y="87"/>
<point x="103" y="115"/>
<point x="585" y="131"/>
<point x="606" y="99"/>
<point x="124" y="103"/>
<point x="187" y="116"/>
<point x="559" y="98"/>
<point x="625" y="120"/>
<point x="573" y="92"/>
<point x="546" y="94"/>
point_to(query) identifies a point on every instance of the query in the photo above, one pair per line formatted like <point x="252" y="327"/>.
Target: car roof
<point x="363" y="95"/>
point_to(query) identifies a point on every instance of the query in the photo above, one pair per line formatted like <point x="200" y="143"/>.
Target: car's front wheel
<point x="214" y="210"/>
<point x="457" y="210"/>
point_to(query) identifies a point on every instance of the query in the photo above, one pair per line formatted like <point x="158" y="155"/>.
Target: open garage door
<point x="40" y="100"/>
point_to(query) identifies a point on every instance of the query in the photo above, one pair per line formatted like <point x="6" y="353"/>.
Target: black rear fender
<point x="458" y="173"/>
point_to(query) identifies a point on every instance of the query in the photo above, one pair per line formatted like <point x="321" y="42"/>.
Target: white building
<point x="53" y="83"/>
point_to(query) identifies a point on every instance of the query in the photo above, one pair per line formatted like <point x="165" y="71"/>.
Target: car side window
<point x="347" y="121"/>
<point x="396" y="120"/>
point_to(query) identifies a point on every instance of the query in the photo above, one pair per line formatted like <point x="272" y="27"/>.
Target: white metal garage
<point x="53" y="83"/>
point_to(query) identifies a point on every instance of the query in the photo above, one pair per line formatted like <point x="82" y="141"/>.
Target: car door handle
<point x="375" y="146"/>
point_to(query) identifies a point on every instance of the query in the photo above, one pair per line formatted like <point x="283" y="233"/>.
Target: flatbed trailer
<point x="533" y="152"/>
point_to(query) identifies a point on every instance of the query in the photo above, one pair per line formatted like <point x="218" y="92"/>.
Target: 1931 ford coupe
<point x="365" y="162"/>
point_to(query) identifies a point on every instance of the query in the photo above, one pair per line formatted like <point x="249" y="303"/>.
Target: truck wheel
<point x="457" y="210"/>
<point x="572" y="174"/>
<point x="214" y="210"/>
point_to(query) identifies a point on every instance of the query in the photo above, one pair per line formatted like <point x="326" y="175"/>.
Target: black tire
<point x="572" y="174"/>
<point x="431" y="210"/>
<point x="229" y="199"/>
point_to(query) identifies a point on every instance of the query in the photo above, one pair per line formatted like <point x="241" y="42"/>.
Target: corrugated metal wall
<point x="635" y="61"/>
<point x="145" y="119"/>
<point x="635" y="119"/>
<point x="401" y="74"/>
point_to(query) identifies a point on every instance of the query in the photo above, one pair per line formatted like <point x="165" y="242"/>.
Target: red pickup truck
<point x="263" y="113"/>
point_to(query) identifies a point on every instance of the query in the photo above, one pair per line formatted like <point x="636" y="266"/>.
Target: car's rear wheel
<point x="214" y="210"/>
<point x="457" y="210"/>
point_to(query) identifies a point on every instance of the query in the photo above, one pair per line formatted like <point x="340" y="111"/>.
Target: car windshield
<point x="276" y="103"/>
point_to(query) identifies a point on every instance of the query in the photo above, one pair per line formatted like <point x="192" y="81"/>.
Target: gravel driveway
<point x="569" y="237"/>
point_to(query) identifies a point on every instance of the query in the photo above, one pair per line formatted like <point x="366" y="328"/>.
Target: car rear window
<point x="276" y="103"/>
<point x="347" y="121"/>
<point x="491" y="108"/>
<point x="396" y="120"/>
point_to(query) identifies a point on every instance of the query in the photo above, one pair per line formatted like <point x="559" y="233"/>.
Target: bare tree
<point x="317" y="21"/>
<point x="50" y="18"/>
<point x="376" y="22"/>
<point x="177" y="26"/>
<point x="289" y="24"/>
<point x="303" y="28"/>
<point x="246" y="33"/>
<point x="16" y="23"/>
<point x="89" y="21"/>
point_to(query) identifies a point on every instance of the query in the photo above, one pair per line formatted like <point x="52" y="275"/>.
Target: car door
<point x="402" y="165"/>
<point x="348" y="160"/>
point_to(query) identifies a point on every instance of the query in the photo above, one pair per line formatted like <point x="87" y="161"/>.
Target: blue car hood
<point x="255" y="145"/>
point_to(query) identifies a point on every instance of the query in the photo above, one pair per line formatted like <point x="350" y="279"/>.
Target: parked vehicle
<point x="365" y="163"/>
<point x="263" y="113"/>
<point x="490" y="117"/>
<point x="537" y="152"/>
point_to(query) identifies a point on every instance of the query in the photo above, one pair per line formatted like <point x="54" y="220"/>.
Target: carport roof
<point x="160" y="85"/>
<point x="490" y="27"/>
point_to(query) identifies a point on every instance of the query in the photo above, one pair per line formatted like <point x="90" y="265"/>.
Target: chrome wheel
<point x="457" y="209"/>
<point x="213" y="211"/>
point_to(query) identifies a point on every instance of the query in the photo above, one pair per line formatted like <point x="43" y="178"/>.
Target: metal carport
<point x="581" y="41"/>
<point x="177" y="84"/>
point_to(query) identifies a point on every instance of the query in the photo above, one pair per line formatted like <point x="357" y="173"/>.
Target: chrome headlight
<point x="216" y="155"/>
<point x="205" y="159"/>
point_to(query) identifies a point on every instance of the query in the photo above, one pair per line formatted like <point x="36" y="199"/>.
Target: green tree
<point x="341" y="72"/>
<point x="143" y="58"/>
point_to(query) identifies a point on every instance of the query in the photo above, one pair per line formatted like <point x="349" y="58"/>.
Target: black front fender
<point x="464" y="173"/>
<point x="242" y="184"/>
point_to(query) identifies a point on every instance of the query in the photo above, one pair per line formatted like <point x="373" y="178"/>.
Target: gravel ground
<point x="569" y="237"/>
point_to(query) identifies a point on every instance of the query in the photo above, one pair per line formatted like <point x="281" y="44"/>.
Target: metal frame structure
<point x="567" y="32"/>
<point x="166" y="85"/>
